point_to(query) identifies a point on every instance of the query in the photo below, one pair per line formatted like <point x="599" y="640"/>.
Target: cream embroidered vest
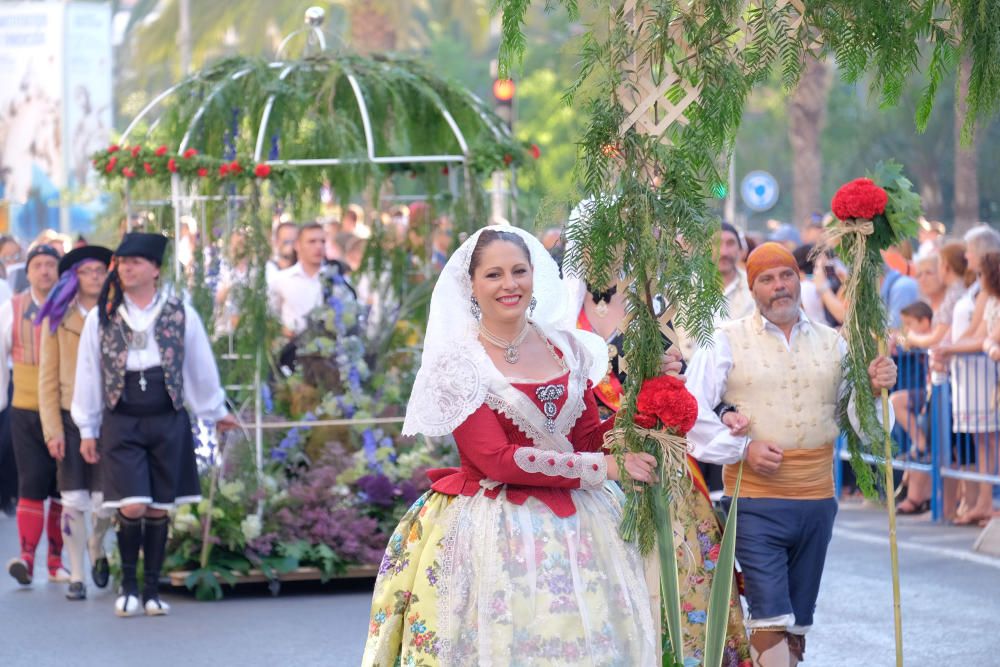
<point x="790" y="395"/>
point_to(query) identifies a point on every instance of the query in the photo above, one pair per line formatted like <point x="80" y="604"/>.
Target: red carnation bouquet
<point x="861" y="199"/>
<point x="665" y="402"/>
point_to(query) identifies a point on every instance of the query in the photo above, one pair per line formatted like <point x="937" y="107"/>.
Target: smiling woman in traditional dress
<point x="515" y="556"/>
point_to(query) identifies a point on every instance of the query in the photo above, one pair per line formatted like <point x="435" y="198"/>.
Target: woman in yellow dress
<point x="515" y="556"/>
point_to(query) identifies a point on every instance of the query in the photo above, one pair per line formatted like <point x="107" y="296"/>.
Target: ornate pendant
<point x="511" y="355"/>
<point x="612" y="351"/>
<point x="142" y="381"/>
<point x="548" y="395"/>
<point x="601" y="309"/>
<point x="137" y="340"/>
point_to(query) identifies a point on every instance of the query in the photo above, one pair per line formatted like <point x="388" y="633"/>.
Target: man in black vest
<point x="144" y="354"/>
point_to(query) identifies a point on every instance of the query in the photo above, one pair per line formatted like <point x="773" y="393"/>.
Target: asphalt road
<point x="951" y="600"/>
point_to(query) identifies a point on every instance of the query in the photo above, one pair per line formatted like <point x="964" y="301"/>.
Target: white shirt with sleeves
<point x="203" y="391"/>
<point x="293" y="294"/>
<point x="707" y="374"/>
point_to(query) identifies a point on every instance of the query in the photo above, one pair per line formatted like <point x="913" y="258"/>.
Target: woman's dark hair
<point x="488" y="237"/>
<point x="990" y="273"/>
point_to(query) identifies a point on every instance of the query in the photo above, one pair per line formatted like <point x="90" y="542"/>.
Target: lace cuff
<point x="590" y="467"/>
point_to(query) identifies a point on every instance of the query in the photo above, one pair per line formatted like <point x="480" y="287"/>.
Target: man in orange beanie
<point x="783" y="373"/>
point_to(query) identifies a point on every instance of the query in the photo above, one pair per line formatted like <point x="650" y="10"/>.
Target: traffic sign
<point x="759" y="190"/>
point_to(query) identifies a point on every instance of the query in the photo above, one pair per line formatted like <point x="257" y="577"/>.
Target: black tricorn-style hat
<point x="142" y="244"/>
<point x="73" y="257"/>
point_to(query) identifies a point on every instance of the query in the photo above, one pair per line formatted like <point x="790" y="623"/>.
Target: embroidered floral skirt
<point x="479" y="581"/>
<point x="697" y="538"/>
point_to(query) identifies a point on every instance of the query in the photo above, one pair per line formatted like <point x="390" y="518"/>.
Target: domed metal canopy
<point x="357" y="72"/>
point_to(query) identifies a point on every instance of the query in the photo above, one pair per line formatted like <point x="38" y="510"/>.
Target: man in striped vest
<point x="21" y="339"/>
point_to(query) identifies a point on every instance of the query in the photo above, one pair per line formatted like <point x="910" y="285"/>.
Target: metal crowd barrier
<point x="951" y="430"/>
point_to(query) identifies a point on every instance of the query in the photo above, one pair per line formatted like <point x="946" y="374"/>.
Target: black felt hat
<point x="141" y="244"/>
<point x="41" y="249"/>
<point x="73" y="257"/>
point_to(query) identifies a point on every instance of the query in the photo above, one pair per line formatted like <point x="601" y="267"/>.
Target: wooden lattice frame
<point x="657" y="104"/>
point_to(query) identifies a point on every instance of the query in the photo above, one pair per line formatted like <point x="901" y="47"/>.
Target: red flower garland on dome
<point x="861" y="199"/>
<point x="667" y="399"/>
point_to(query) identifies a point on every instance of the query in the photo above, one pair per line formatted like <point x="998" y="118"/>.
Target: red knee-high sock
<point x="30" y="519"/>
<point x="53" y="528"/>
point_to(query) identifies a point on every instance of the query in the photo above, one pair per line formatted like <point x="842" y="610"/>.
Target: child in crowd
<point x="911" y="406"/>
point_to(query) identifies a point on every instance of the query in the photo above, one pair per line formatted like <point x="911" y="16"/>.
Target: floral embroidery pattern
<point x="169" y="333"/>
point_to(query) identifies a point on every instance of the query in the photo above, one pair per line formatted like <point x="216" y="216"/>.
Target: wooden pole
<point x="890" y="497"/>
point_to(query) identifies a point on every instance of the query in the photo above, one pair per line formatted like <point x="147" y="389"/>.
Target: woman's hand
<point x="941" y="353"/>
<point x="672" y="363"/>
<point x="639" y="466"/>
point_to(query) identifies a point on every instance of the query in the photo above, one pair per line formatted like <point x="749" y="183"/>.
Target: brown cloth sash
<point x="804" y="474"/>
<point x="25" y="387"/>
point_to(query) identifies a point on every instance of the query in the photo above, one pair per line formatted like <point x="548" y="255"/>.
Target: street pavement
<point x="951" y="600"/>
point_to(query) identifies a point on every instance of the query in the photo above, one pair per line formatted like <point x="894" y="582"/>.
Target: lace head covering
<point x="454" y="369"/>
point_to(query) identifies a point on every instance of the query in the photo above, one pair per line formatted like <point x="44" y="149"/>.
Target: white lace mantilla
<point x="446" y="395"/>
<point x="589" y="467"/>
<point x="455" y="371"/>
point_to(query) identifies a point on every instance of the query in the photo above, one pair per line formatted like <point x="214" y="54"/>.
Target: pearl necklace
<point x="510" y="352"/>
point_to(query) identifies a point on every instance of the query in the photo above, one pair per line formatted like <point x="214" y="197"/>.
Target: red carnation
<point x="190" y="153"/>
<point x="148" y="167"/>
<point x="113" y="148"/>
<point x="644" y="421"/>
<point x="536" y="152"/>
<point x="223" y="169"/>
<point x="861" y="199"/>
<point x="172" y="165"/>
<point x="111" y="164"/>
<point x="508" y="158"/>
<point x="135" y="151"/>
<point x="234" y="167"/>
<point x="668" y="398"/>
<point x="444" y="171"/>
<point x="203" y="172"/>
<point x="127" y="172"/>
<point x="262" y="170"/>
<point x="161" y="151"/>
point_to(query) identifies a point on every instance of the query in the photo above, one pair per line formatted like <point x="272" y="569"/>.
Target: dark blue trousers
<point x="781" y="548"/>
